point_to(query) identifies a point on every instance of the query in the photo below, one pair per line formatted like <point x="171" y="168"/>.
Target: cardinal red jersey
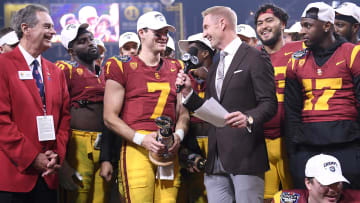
<point x="150" y="91"/>
<point x="328" y="91"/>
<point x="198" y="86"/>
<point x="279" y="60"/>
<point x="302" y="196"/>
<point x="83" y="84"/>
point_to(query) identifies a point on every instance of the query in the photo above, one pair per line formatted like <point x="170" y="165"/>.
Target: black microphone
<point x="190" y="60"/>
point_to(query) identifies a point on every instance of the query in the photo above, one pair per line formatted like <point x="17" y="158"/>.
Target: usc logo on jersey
<point x="157" y="75"/>
<point x="79" y="71"/>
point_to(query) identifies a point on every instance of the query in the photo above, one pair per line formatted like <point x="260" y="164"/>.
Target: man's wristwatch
<point x="249" y="123"/>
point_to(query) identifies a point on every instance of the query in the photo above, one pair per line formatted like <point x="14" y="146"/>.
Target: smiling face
<point x="154" y="40"/>
<point x="269" y="29"/>
<point x="212" y="30"/>
<point x="323" y="193"/>
<point x="41" y="34"/>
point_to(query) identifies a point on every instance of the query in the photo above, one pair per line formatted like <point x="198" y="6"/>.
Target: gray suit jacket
<point x="248" y="87"/>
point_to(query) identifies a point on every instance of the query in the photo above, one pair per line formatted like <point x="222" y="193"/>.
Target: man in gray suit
<point x="243" y="83"/>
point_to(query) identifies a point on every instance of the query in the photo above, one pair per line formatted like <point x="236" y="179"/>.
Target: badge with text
<point x="45" y="126"/>
<point x="25" y="75"/>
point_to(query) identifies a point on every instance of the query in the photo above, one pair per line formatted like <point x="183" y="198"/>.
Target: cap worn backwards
<point x="319" y="11"/>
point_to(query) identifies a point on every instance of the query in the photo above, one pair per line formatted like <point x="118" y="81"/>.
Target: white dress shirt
<point x="30" y="59"/>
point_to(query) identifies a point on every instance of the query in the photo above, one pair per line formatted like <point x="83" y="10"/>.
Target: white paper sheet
<point x="212" y="112"/>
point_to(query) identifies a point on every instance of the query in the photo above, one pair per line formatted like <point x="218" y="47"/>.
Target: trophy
<point x="166" y="137"/>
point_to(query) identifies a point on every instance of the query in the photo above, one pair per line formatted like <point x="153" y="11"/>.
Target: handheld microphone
<point x="190" y="60"/>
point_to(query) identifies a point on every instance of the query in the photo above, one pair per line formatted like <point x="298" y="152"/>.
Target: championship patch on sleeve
<point x="289" y="197"/>
<point x="124" y="58"/>
<point x="300" y="54"/>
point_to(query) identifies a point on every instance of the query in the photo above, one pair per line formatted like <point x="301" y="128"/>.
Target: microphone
<point x="190" y="60"/>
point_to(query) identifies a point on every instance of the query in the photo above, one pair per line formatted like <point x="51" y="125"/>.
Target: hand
<point x="183" y="80"/>
<point x="201" y="72"/>
<point x="66" y="173"/>
<point x="40" y="163"/>
<point x="192" y="169"/>
<point x="152" y="145"/>
<point x="106" y="170"/>
<point x="52" y="165"/>
<point x="236" y="120"/>
<point x="175" y="147"/>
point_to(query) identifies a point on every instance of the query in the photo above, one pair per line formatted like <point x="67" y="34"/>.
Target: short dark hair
<point x="202" y="46"/>
<point x="5" y="30"/>
<point x="26" y="15"/>
<point x="277" y="11"/>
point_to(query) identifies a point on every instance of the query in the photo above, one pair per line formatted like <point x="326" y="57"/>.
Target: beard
<point x="88" y="57"/>
<point x="272" y="41"/>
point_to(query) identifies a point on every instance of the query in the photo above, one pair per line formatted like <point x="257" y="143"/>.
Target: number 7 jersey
<point x="329" y="91"/>
<point x="149" y="90"/>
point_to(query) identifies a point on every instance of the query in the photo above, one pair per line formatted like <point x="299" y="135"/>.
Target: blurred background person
<point x="347" y="22"/>
<point x="324" y="184"/>
<point x="194" y="147"/>
<point x="293" y="33"/>
<point x="68" y="18"/>
<point x="88" y="14"/>
<point x="170" y="48"/>
<point x="103" y="29"/>
<point x="129" y="44"/>
<point x="247" y="34"/>
<point x="86" y="88"/>
<point x="102" y="51"/>
<point x="8" y="40"/>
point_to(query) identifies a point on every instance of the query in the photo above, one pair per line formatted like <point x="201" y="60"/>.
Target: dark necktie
<point x="39" y="82"/>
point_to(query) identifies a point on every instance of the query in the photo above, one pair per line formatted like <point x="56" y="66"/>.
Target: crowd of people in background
<point x="128" y="128"/>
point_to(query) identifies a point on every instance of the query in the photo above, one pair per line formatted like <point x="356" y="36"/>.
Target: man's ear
<point x="24" y="27"/>
<point x="222" y="23"/>
<point x="327" y="26"/>
<point x="205" y="54"/>
<point x="355" y="28"/>
<point x="70" y="51"/>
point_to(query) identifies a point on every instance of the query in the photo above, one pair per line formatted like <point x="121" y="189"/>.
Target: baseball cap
<point x="296" y="27"/>
<point x="171" y="43"/>
<point x="128" y="37"/>
<point x="324" y="168"/>
<point x="153" y="20"/>
<point x="9" y="39"/>
<point x="349" y="9"/>
<point x="324" y="12"/>
<point x="184" y="44"/>
<point x="70" y="32"/>
<point x="245" y="30"/>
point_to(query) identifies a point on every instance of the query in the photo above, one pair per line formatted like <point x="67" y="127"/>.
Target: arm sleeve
<point x="293" y="104"/>
<point x="262" y="77"/>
